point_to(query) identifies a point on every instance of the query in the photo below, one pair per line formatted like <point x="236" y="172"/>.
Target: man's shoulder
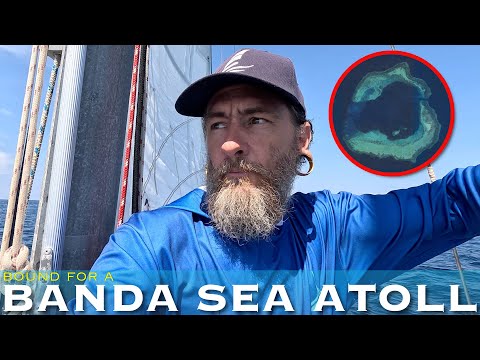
<point x="320" y="196"/>
<point x="191" y="203"/>
<point x="323" y="201"/>
<point x="176" y="217"/>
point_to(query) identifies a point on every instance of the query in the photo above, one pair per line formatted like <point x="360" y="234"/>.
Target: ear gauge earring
<point x="310" y="164"/>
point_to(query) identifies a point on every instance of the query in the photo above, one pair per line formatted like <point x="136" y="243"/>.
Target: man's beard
<point x="244" y="211"/>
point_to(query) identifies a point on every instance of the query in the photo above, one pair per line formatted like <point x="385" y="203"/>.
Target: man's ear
<point x="305" y="138"/>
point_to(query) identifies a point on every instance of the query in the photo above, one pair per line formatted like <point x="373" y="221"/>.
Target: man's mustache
<point x="241" y="165"/>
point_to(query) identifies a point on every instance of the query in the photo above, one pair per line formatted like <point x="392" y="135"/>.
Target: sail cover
<point x="173" y="150"/>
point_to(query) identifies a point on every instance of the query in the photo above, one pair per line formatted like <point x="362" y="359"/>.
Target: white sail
<point x="173" y="153"/>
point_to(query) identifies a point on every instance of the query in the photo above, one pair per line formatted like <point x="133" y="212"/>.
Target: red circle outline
<point x="450" y="99"/>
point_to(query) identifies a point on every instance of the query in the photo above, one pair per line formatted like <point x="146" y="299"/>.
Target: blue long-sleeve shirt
<point x="326" y="238"/>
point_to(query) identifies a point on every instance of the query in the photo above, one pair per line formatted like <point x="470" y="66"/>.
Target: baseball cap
<point x="251" y="66"/>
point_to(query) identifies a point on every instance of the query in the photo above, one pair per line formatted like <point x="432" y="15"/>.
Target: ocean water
<point x="30" y="218"/>
<point x="439" y="274"/>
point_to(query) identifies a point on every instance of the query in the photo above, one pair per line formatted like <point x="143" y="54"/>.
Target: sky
<point x="318" y="69"/>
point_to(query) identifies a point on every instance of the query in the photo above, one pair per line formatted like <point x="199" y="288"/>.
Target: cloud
<point x="17" y="50"/>
<point x="5" y="112"/>
<point x="6" y="163"/>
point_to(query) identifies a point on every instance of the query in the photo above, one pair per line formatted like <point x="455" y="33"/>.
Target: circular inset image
<point x="391" y="113"/>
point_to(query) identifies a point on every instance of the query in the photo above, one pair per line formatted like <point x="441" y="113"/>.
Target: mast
<point x="79" y="192"/>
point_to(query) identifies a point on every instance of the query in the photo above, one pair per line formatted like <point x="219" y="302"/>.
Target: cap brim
<point x="194" y="99"/>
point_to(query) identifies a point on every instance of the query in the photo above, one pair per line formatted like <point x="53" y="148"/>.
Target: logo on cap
<point x="232" y="64"/>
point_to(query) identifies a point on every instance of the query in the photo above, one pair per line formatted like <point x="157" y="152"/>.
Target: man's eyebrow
<point x="255" y="110"/>
<point x="246" y="111"/>
<point x="219" y="114"/>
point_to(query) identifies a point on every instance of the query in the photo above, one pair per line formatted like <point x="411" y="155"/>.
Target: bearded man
<point x="246" y="244"/>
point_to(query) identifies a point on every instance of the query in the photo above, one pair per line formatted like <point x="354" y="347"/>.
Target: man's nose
<point x="232" y="148"/>
<point x="235" y="144"/>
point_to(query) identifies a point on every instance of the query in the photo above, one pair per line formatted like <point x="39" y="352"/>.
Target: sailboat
<point x="116" y="145"/>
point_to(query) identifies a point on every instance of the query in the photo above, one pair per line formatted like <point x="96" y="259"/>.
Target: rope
<point x="16" y="257"/>
<point x="11" y="207"/>
<point x="23" y="200"/>
<point x="431" y="175"/>
<point x="43" y="121"/>
<point x="137" y="161"/>
<point x="133" y="93"/>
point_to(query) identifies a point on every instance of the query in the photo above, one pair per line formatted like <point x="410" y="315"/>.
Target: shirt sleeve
<point x="126" y="270"/>
<point x="404" y="228"/>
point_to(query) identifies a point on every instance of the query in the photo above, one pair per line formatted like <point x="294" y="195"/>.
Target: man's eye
<point x="255" y="121"/>
<point x="217" y="125"/>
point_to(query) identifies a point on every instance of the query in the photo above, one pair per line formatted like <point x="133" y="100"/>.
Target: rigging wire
<point x="157" y="156"/>
<point x="431" y="174"/>
<point x="167" y="200"/>
<point x="432" y="177"/>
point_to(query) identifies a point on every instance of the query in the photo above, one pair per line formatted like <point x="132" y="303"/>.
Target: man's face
<point x="253" y="150"/>
<point x="246" y="122"/>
